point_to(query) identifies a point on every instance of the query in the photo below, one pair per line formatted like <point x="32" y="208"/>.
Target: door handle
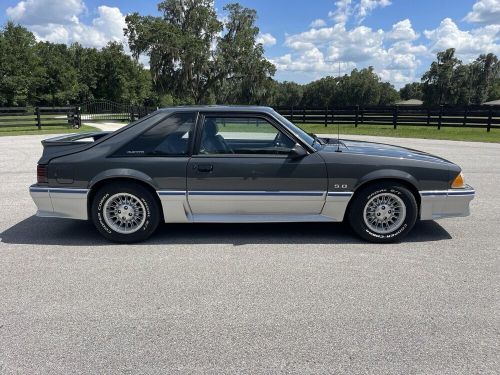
<point x="205" y="168"/>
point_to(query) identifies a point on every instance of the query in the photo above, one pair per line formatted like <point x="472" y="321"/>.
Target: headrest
<point x="210" y="127"/>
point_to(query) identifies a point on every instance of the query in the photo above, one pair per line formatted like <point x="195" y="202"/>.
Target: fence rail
<point x="481" y="117"/>
<point x="72" y="117"/>
<point x="39" y="116"/>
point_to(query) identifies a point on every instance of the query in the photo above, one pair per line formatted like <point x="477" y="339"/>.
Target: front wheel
<point x="125" y="212"/>
<point x="383" y="212"/>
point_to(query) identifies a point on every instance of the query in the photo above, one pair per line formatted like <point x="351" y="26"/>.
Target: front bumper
<point x="437" y="204"/>
<point x="59" y="202"/>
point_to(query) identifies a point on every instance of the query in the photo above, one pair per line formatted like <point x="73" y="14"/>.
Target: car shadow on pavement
<point x="45" y="231"/>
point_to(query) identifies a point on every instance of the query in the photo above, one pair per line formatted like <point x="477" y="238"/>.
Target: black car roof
<point x="219" y="108"/>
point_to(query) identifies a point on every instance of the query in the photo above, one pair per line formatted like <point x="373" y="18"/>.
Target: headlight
<point x="458" y="182"/>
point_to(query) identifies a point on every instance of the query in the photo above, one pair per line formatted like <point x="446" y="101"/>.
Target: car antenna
<point x="338" y="137"/>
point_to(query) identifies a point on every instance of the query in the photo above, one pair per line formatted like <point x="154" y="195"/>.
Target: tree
<point x="411" y="91"/>
<point x="483" y="74"/>
<point x="59" y="81"/>
<point x="388" y="94"/>
<point x="286" y="94"/>
<point x="243" y="72"/>
<point x="19" y="65"/>
<point x="437" y="82"/>
<point x="191" y="62"/>
<point x="179" y="45"/>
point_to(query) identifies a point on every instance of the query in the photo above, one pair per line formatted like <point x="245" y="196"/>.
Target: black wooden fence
<point x="39" y="116"/>
<point x="93" y="111"/>
<point x="480" y="117"/>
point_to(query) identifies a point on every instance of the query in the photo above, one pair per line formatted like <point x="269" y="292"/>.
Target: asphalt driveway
<point x="273" y="298"/>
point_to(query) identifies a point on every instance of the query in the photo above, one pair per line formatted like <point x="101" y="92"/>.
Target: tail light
<point x="41" y="174"/>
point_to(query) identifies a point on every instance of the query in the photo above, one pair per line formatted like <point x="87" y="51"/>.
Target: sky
<point x="306" y="40"/>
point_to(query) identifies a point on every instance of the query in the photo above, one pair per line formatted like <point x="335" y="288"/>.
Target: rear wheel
<point x="125" y="212"/>
<point x="383" y="212"/>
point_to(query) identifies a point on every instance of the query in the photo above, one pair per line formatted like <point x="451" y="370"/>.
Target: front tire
<point x="383" y="212"/>
<point x="125" y="212"/>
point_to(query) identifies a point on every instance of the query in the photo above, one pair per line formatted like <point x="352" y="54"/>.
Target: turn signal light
<point x="458" y="182"/>
<point x="41" y="174"/>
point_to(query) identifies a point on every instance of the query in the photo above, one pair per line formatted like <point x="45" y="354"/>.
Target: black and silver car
<point x="217" y="164"/>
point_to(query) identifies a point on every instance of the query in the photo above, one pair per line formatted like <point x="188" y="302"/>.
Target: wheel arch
<point x="98" y="184"/>
<point x="400" y="178"/>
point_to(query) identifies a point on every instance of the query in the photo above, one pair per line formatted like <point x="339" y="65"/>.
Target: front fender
<point x="385" y="174"/>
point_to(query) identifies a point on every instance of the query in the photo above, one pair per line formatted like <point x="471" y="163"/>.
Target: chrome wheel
<point x="384" y="213"/>
<point x="124" y="213"/>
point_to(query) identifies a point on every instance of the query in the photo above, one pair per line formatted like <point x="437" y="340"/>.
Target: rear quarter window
<point x="170" y="137"/>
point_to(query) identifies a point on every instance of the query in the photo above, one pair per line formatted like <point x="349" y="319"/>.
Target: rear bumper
<point x="58" y="202"/>
<point x="446" y="203"/>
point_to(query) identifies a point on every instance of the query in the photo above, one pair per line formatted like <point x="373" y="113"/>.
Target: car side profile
<point x="220" y="164"/>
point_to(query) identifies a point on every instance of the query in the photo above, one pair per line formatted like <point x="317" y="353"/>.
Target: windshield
<point x="296" y="130"/>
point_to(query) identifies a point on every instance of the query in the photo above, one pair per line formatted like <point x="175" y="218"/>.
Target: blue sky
<point x="305" y="40"/>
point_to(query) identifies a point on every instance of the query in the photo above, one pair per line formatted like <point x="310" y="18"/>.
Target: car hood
<point x="379" y="149"/>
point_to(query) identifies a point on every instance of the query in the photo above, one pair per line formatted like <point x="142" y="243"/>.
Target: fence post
<point x="326" y="117"/>
<point x="291" y="114"/>
<point x="428" y="116"/>
<point x="490" y="118"/>
<point x="132" y="114"/>
<point x="38" y="118"/>
<point x="303" y="115"/>
<point x="362" y="115"/>
<point x="465" y="115"/>
<point x="77" y="118"/>
<point x="395" y="117"/>
<point x="440" y="116"/>
<point x="356" y="116"/>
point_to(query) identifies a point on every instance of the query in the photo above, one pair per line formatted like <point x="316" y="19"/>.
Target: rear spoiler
<point x="74" y="139"/>
<point x="66" y="144"/>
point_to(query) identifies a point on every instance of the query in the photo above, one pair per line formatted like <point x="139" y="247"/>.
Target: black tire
<point x="356" y="214"/>
<point x="147" y="209"/>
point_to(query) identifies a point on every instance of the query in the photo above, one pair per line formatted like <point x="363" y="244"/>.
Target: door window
<point x="243" y="136"/>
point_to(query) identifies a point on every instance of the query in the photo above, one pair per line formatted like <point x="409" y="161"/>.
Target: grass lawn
<point x="31" y="130"/>
<point x="454" y="134"/>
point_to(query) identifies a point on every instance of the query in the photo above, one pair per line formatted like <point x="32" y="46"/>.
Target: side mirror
<point x="297" y="152"/>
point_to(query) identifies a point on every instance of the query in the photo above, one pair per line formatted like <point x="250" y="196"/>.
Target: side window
<point x="171" y="137"/>
<point x="243" y="136"/>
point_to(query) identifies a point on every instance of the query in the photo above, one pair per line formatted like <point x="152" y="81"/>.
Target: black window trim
<point x="263" y="116"/>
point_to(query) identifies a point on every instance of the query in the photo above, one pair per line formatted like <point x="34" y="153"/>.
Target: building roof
<point x="410" y="102"/>
<point x="493" y="102"/>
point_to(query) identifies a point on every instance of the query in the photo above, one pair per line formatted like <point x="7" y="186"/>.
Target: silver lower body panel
<point x="58" y="202"/>
<point x="253" y="206"/>
<point x="446" y="203"/>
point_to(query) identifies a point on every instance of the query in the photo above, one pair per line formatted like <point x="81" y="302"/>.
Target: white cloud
<point x="317" y="23"/>
<point x="59" y="22"/>
<point x="468" y="44"/>
<point x="402" y="30"/>
<point x="266" y="39"/>
<point x="319" y="51"/>
<point x="40" y="12"/>
<point x="485" y="12"/>
<point x="343" y="11"/>
<point x="361" y="9"/>
<point x="366" y="6"/>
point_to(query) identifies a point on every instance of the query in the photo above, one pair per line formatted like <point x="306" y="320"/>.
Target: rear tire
<point x="383" y="212"/>
<point x="125" y="212"/>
